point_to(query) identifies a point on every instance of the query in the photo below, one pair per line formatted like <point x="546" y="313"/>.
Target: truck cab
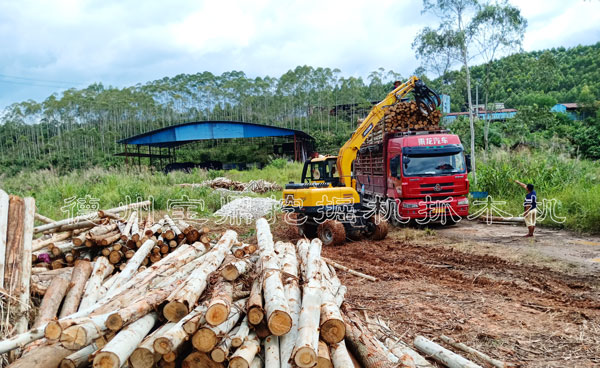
<point x="424" y="174"/>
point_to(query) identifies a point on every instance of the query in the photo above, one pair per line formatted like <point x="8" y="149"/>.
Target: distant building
<point x="501" y="114"/>
<point x="571" y="109"/>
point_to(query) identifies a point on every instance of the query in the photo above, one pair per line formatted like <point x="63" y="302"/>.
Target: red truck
<point x="420" y="175"/>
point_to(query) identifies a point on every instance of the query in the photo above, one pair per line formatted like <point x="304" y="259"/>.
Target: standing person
<point x="530" y="206"/>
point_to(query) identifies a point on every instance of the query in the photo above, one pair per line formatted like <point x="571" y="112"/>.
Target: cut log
<point x="199" y="360"/>
<point x="44" y="219"/>
<point x="340" y="356"/>
<point x="244" y="355"/>
<point x="441" y="354"/>
<point x="136" y="309"/>
<point x="276" y="308"/>
<point x="256" y="363"/>
<point x="486" y="358"/>
<point x="289" y="266"/>
<point x="307" y="342"/>
<point x="79" y="277"/>
<point x="47" y="356"/>
<point x="4" y="200"/>
<point x="80" y="335"/>
<point x="207" y="337"/>
<point x="220" y="303"/>
<point x="14" y="245"/>
<point x="21" y="340"/>
<point x="186" y="295"/>
<point x="236" y="268"/>
<point x="323" y="356"/>
<point x="239" y="335"/>
<point x="220" y="353"/>
<point x="119" y="349"/>
<point x="272" y="358"/>
<point x="80" y="358"/>
<point x="102" y="268"/>
<point x="132" y="266"/>
<point x="144" y="356"/>
<point x="51" y="302"/>
<point x="88" y="216"/>
<point x="126" y="233"/>
<point x="349" y="270"/>
<point x="255" y="303"/>
<point x="332" y="325"/>
<point x="25" y="274"/>
<point x="43" y="243"/>
<point x="170" y="340"/>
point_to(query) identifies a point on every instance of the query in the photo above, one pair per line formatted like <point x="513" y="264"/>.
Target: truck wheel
<point x="331" y="232"/>
<point x="380" y="228"/>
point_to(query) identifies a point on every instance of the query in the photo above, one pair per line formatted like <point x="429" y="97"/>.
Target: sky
<point x="49" y="46"/>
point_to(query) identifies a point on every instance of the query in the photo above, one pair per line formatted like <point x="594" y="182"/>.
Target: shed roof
<point x="177" y="135"/>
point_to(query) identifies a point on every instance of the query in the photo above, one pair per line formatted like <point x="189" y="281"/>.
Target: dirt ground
<point x="534" y="303"/>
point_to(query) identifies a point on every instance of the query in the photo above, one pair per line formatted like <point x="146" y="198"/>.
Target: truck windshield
<point x="438" y="165"/>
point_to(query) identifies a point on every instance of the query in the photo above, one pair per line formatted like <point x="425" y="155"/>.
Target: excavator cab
<point x="321" y="170"/>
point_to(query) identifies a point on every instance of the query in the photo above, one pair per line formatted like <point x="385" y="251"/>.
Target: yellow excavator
<point x="326" y="202"/>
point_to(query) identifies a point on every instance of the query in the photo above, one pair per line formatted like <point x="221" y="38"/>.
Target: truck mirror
<point x="468" y="161"/>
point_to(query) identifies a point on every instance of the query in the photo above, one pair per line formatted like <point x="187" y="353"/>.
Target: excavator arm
<point x="426" y="100"/>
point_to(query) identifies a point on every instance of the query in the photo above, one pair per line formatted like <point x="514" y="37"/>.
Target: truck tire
<point x="331" y="232"/>
<point x="380" y="228"/>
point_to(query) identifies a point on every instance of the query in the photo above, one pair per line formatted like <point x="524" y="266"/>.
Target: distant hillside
<point x="79" y="128"/>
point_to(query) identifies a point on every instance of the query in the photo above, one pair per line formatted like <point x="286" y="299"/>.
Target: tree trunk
<point x="48" y="356"/>
<point x="4" y="201"/>
<point x="80" y="358"/>
<point x="185" y="296"/>
<point x="207" y="337"/>
<point x="144" y="355"/>
<point x="276" y="308"/>
<point x="51" y="302"/>
<point x="24" y="283"/>
<point x="465" y="58"/>
<point x="442" y="355"/>
<point x="255" y="303"/>
<point x="119" y="349"/>
<point x="237" y="268"/>
<point x="102" y="268"/>
<point x="340" y="356"/>
<point x="289" y="266"/>
<point x="244" y="355"/>
<point x="220" y="303"/>
<point x="272" y="357"/>
<point x="14" y="245"/>
<point x="79" y="277"/>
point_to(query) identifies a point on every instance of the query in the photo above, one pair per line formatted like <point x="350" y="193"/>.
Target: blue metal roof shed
<point x="178" y="135"/>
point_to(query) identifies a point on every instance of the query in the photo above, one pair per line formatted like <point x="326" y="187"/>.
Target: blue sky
<point x="48" y="46"/>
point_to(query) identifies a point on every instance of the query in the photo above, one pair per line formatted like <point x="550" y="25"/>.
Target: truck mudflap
<point x="451" y="209"/>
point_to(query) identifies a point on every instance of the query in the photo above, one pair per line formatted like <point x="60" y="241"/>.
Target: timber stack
<point x="203" y="304"/>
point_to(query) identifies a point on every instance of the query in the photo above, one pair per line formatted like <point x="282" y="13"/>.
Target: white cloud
<point x="126" y="42"/>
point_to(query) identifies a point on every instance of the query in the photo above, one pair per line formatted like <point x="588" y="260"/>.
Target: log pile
<point x="256" y="186"/>
<point x="200" y="305"/>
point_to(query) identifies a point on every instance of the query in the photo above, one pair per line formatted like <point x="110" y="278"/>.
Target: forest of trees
<point x="79" y="127"/>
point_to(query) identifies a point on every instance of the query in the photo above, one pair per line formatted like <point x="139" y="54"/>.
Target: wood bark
<point x="340" y="356"/>
<point x="60" y="223"/>
<point x="102" y="268"/>
<point x="80" y="358"/>
<point x="14" y="245"/>
<point x="47" y="356"/>
<point x="276" y="308"/>
<point x="119" y="349"/>
<point x="244" y="355"/>
<point x="4" y="201"/>
<point x="186" y="295"/>
<point x="79" y="277"/>
<point x="51" y="302"/>
<point x="272" y="357"/>
<point x="220" y="303"/>
<point x="323" y="356"/>
<point x="255" y="303"/>
<point x="441" y="354"/>
<point x="25" y="282"/>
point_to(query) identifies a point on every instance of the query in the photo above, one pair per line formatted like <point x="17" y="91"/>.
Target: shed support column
<point x="126" y="157"/>
<point x="295" y="149"/>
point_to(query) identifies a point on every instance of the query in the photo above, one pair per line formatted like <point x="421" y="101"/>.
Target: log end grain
<point x="199" y="360"/>
<point x="170" y="357"/>
<point x="175" y="311"/>
<point x="105" y="359"/>
<point x="142" y="358"/>
<point x="255" y="315"/>
<point x="218" y="355"/>
<point x="162" y="345"/>
<point x="333" y="331"/>
<point x="204" y="340"/>
<point x="74" y="338"/>
<point x="236" y="342"/>
<point x="67" y="363"/>
<point x="279" y="323"/>
<point x="52" y="330"/>
<point x="217" y="314"/>
<point x="305" y="357"/>
<point x="230" y="272"/>
<point x="238" y="362"/>
<point x="114" y="322"/>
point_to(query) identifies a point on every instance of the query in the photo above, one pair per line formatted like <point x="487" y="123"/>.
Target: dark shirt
<point x="530" y="199"/>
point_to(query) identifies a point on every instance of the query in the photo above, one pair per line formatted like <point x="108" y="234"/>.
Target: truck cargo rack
<point x="418" y="132"/>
